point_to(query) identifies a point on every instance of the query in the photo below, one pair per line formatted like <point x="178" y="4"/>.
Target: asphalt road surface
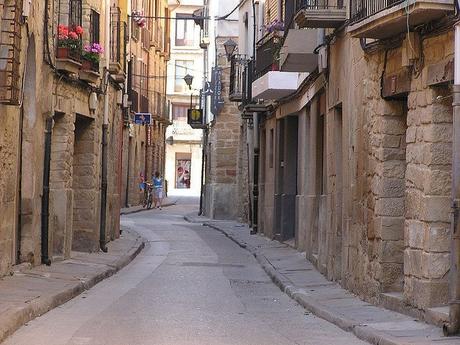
<point x="190" y="285"/>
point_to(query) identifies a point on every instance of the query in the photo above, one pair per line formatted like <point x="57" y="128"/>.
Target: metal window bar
<point x="267" y="51"/>
<point x="115" y="37"/>
<point x="248" y="78"/>
<point x="70" y="13"/>
<point x="76" y="13"/>
<point x="362" y="9"/>
<point x="10" y="48"/>
<point x="237" y="68"/>
<point x="320" y="4"/>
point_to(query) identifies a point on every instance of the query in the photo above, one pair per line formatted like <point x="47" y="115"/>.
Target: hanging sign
<point x="143" y="119"/>
<point x="195" y="118"/>
<point x="217" y="99"/>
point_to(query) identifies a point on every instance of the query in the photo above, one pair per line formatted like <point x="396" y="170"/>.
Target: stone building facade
<point x="62" y="129"/>
<point x="148" y="52"/>
<point x="356" y="147"/>
<point x="184" y="150"/>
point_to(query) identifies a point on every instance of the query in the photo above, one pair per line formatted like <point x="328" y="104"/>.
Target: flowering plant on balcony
<point x="275" y="26"/>
<point x="92" y="53"/>
<point x="139" y="18"/>
<point x="69" y="37"/>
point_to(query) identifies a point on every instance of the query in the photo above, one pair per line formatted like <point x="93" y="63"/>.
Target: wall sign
<point x="143" y="119"/>
<point x="217" y="99"/>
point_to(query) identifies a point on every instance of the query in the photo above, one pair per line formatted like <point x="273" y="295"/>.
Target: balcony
<point x="275" y="85"/>
<point x="10" y="46"/>
<point x="237" y="78"/>
<point x="241" y="77"/>
<point x="320" y="13"/>
<point x="381" y="19"/>
<point x="268" y="49"/>
<point x="297" y="53"/>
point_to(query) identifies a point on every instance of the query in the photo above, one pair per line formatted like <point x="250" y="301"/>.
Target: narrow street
<point x="190" y="285"/>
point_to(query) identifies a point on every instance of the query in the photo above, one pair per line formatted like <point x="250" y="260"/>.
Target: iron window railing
<point x="70" y="14"/>
<point x="134" y="98"/>
<point x="144" y="106"/>
<point x="248" y="78"/>
<point x="362" y="9"/>
<point x="268" y="50"/>
<point x="237" y="73"/>
<point x="116" y="37"/>
<point x="10" y="48"/>
<point x="319" y="4"/>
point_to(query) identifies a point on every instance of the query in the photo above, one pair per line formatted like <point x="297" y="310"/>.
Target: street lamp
<point x="230" y="47"/>
<point x="189" y="81"/>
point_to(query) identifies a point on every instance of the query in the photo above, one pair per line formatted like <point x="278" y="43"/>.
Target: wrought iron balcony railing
<point x="238" y="66"/>
<point x="319" y="4"/>
<point x="362" y="9"/>
<point x="10" y="48"/>
<point x="268" y="50"/>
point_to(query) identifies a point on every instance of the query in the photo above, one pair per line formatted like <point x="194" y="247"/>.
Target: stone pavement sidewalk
<point x="169" y="201"/>
<point x="298" y="278"/>
<point x="31" y="292"/>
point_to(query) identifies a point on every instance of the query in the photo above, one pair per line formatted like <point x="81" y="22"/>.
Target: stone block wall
<point x="223" y="156"/>
<point x="384" y="223"/>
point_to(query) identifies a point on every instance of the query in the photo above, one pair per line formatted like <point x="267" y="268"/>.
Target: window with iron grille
<point x="10" y="45"/>
<point x="116" y="36"/>
<point x="94" y="30"/>
<point x="75" y="13"/>
<point x="135" y="30"/>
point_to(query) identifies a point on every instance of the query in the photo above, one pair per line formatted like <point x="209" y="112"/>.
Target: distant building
<point x="184" y="148"/>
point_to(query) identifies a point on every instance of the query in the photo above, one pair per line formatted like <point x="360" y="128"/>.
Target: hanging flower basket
<point x="139" y="19"/>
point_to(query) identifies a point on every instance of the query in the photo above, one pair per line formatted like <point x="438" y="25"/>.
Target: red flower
<point x="79" y="30"/>
<point x="73" y="35"/>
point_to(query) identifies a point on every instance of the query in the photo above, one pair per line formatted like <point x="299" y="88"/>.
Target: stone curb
<point x="11" y="321"/>
<point x="123" y="213"/>
<point x="363" y="332"/>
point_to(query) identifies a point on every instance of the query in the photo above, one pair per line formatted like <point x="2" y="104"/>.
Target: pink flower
<point x="73" y="35"/>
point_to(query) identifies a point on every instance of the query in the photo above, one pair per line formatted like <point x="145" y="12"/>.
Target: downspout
<point x="105" y="127"/>
<point x="46" y="193"/>
<point x="255" y="190"/>
<point x="453" y="327"/>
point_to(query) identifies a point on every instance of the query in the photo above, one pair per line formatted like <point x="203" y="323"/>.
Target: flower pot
<point x="86" y="65"/>
<point x="63" y="53"/>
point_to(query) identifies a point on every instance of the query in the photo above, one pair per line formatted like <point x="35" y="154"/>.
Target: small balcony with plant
<point x="91" y="57"/>
<point x="380" y="19"/>
<point x="69" y="47"/>
<point x="320" y="13"/>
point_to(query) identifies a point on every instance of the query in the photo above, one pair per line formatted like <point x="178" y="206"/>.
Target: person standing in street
<point x="157" y="190"/>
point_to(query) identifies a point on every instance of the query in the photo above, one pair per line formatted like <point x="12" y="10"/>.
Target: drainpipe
<point x="255" y="190"/>
<point x="453" y="327"/>
<point x="46" y="193"/>
<point x="105" y="127"/>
